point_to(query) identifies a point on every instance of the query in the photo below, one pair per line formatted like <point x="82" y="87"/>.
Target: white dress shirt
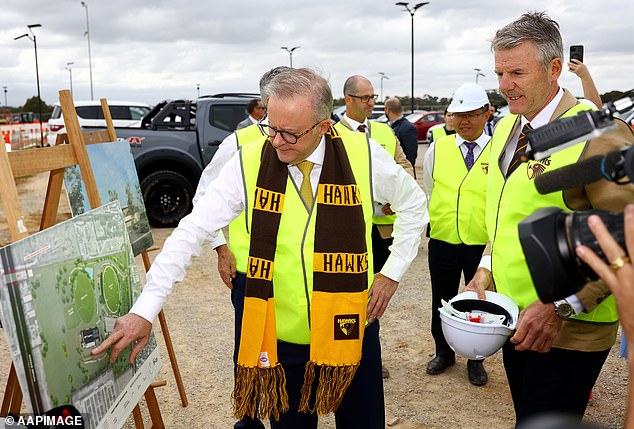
<point x="428" y="161"/>
<point x="223" y="200"/>
<point x="225" y="152"/>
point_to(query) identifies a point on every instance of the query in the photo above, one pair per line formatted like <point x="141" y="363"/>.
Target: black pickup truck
<point x="177" y="139"/>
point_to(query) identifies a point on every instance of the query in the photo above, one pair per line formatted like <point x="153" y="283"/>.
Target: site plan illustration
<point x="61" y="291"/>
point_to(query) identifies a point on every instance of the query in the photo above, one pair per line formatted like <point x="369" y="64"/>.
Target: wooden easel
<point x="55" y="160"/>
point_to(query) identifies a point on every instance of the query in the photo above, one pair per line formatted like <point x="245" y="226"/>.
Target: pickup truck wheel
<point x="168" y="197"/>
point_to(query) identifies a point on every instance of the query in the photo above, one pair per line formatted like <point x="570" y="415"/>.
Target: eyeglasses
<point x="469" y="116"/>
<point x="287" y="136"/>
<point x="365" y="98"/>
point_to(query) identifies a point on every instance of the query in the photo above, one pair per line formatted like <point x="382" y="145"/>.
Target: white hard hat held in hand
<point x="476" y="329"/>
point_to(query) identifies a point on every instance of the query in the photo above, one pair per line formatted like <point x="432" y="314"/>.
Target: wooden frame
<point x="55" y="160"/>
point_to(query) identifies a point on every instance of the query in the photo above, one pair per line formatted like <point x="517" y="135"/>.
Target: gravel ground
<point x="200" y="319"/>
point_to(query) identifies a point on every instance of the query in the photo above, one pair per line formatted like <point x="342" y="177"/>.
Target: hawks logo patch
<point x="346" y="327"/>
<point x="485" y="167"/>
<point x="536" y="168"/>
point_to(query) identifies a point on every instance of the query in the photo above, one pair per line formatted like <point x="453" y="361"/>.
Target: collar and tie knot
<point x="519" y="155"/>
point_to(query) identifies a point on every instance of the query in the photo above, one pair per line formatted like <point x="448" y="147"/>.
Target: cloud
<point x="153" y="50"/>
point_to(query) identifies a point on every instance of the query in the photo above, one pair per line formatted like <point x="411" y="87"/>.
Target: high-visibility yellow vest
<point x="239" y="238"/>
<point x="510" y="201"/>
<point x="438" y="132"/>
<point x="383" y="135"/>
<point x="293" y="273"/>
<point x="457" y="203"/>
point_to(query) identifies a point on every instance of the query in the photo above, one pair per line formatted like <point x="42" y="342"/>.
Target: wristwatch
<point x="564" y="309"/>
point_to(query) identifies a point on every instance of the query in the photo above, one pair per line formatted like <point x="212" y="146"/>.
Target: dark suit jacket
<point x="407" y="134"/>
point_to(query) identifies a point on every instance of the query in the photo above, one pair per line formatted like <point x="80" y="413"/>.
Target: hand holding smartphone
<point x="576" y="52"/>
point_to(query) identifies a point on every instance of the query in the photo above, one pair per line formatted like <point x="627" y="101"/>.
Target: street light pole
<point x="478" y="74"/>
<point x="87" y="34"/>
<point x="37" y="74"/>
<point x="383" y="76"/>
<point x="70" y="72"/>
<point x="198" y="89"/>
<point x="412" y="11"/>
<point x="290" y="52"/>
<point x="5" y="96"/>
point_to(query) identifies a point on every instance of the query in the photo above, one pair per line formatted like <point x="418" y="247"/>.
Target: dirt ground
<point x="200" y="320"/>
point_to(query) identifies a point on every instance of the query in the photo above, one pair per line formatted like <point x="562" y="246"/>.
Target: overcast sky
<point x="148" y="51"/>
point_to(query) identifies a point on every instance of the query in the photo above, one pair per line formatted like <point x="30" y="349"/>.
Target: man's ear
<point x="324" y="125"/>
<point x="555" y="68"/>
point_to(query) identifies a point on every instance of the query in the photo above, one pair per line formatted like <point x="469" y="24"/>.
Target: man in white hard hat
<point x="455" y="174"/>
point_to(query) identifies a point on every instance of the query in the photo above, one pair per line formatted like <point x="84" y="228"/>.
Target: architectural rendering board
<point x="61" y="291"/>
<point x="115" y="174"/>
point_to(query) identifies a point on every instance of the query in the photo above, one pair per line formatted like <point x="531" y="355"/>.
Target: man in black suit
<point x="405" y="131"/>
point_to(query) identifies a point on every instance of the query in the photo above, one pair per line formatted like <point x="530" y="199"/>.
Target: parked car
<point x="175" y="142"/>
<point x="423" y="121"/>
<point x="89" y="113"/>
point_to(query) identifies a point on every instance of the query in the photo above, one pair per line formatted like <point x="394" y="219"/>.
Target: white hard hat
<point x="475" y="328"/>
<point x="468" y="97"/>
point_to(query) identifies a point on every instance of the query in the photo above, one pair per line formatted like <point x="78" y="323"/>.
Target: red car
<point x="425" y="120"/>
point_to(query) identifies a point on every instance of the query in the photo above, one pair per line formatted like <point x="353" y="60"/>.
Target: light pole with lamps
<point x="87" y="34"/>
<point x="290" y="52"/>
<point x="37" y="74"/>
<point x="198" y="89"/>
<point x="412" y="11"/>
<point x="383" y="76"/>
<point x="5" y="96"/>
<point x="478" y="74"/>
<point x="70" y="73"/>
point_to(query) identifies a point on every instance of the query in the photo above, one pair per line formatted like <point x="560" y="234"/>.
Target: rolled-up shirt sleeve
<point x="222" y="202"/>
<point x="391" y="184"/>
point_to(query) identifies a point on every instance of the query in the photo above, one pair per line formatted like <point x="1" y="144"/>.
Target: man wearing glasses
<point x="232" y="262"/>
<point x="256" y="111"/>
<point x="454" y="175"/>
<point x="359" y="97"/>
<point x="306" y="191"/>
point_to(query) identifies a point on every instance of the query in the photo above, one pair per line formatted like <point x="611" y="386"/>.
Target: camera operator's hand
<point x="536" y="328"/>
<point x="619" y="275"/>
<point x="482" y="280"/>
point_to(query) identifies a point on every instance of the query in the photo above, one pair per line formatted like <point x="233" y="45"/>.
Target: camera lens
<point x="579" y="232"/>
<point x="549" y="238"/>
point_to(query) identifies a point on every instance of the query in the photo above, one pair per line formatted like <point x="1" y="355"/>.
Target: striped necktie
<point x="469" y="159"/>
<point x="306" y="190"/>
<point x="519" y="155"/>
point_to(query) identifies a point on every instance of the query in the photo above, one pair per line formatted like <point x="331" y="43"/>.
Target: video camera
<point x="550" y="236"/>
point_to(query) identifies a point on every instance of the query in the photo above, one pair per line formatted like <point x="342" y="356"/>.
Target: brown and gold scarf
<point x="339" y="298"/>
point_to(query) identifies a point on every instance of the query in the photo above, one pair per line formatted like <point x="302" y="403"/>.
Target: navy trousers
<point x="559" y="381"/>
<point x="447" y="262"/>
<point x="363" y="405"/>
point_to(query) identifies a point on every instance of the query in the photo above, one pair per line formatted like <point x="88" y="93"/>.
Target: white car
<point x="124" y="114"/>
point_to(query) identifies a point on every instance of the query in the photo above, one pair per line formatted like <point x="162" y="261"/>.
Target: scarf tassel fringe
<point x="260" y="393"/>
<point x="333" y="383"/>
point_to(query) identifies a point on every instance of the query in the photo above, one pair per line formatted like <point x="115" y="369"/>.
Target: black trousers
<point x="447" y="262"/>
<point x="363" y="404"/>
<point x="380" y="249"/>
<point x="559" y="381"/>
